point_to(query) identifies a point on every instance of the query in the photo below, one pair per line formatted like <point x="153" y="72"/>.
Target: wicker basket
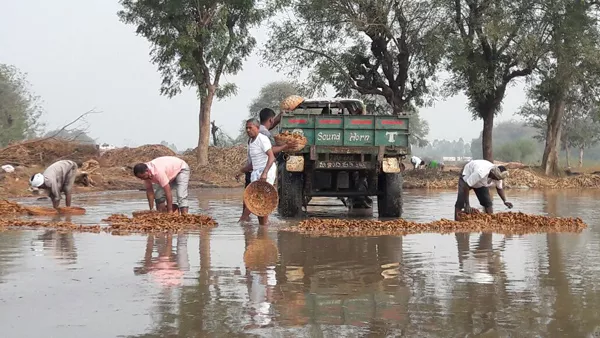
<point x="41" y="211"/>
<point x="71" y="211"/>
<point x="261" y="253"/>
<point x="261" y="198"/>
<point x="291" y="102"/>
<point x="290" y="138"/>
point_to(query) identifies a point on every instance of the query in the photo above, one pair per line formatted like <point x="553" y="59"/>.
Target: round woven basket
<point x="298" y="140"/>
<point x="261" y="253"/>
<point x="291" y="102"/>
<point x="71" y="211"/>
<point x="41" y="211"/>
<point x="261" y="198"/>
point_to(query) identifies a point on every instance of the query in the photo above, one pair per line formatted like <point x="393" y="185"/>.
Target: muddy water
<point x="197" y="285"/>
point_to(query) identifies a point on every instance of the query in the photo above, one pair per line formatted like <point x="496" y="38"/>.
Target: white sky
<point x="79" y="56"/>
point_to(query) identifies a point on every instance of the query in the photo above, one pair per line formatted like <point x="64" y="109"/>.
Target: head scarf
<point x="500" y="174"/>
<point x="37" y="180"/>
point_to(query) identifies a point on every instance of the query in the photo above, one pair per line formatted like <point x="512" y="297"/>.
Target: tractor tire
<point x="290" y="188"/>
<point x="389" y="201"/>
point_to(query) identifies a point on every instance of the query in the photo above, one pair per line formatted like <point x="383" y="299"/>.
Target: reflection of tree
<point x="12" y="248"/>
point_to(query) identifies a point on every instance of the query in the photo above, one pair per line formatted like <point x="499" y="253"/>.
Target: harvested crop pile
<point x="505" y="223"/>
<point x="152" y="222"/>
<point x="128" y="157"/>
<point x="430" y="179"/>
<point x="531" y="179"/>
<point x="10" y="208"/>
<point x="54" y="225"/>
<point x="46" y="152"/>
<point x="224" y="163"/>
<point x="296" y="142"/>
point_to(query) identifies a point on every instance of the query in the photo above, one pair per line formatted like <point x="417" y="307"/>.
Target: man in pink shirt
<point x="170" y="174"/>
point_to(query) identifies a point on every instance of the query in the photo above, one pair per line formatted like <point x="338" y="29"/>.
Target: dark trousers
<point x="483" y="195"/>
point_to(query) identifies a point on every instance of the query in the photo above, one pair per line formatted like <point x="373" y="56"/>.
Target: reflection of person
<point x="169" y="173"/>
<point x="57" y="178"/>
<point x="480" y="175"/>
<point x="262" y="160"/>
<point x="168" y="268"/>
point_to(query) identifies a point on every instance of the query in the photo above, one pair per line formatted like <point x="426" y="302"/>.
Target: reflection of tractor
<point x="349" y="154"/>
<point x="340" y="281"/>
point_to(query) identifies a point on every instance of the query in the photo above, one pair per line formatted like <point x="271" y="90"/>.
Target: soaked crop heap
<point x="154" y="221"/>
<point x="505" y="223"/>
<point x="142" y="221"/>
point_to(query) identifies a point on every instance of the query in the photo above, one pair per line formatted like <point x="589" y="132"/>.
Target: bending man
<point x="58" y="177"/>
<point x="169" y="173"/>
<point x="480" y="175"/>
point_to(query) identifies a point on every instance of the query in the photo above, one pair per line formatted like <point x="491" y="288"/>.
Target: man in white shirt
<point x="416" y="162"/>
<point x="480" y="175"/>
<point x="261" y="162"/>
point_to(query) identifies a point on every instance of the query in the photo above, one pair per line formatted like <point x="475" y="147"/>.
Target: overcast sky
<point x="79" y="56"/>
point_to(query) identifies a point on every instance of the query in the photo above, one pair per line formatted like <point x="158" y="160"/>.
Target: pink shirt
<point x="164" y="169"/>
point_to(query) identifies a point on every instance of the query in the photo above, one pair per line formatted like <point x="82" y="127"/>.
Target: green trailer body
<point x="349" y="131"/>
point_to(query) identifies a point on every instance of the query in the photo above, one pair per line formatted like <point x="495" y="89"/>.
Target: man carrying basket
<point x="261" y="161"/>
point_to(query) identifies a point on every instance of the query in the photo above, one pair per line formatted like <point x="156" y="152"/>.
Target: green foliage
<point x="521" y="150"/>
<point x="508" y="132"/>
<point x="19" y="108"/>
<point x="489" y="45"/>
<point x="171" y="146"/>
<point x="195" y="42"/>
<point x="76" y="135"/>
<point x="270" y="96"/>
<point x="443" y="148"/>
<point x="383" y="48"/>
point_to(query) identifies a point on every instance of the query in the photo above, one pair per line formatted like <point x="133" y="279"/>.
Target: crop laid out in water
<point x="505" y="223"/>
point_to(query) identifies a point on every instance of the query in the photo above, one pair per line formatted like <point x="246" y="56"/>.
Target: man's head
<point x="37" y="181"/>
<point x="267" y="115"/>
<point x="252" y="126"/>
<point x="498" y="173"/>
<point x="141" y="171"/>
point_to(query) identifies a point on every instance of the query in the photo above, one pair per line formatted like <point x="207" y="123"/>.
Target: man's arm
<point x="149" y="194"/>
<point x="270" y="162"/>
<point x="278" y="149"/>
<point x="503" y="197"/>
<point x="276" y="120"/>
<point x="169" y="196"/>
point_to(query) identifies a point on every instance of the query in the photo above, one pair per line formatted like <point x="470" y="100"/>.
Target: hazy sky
<point x="79" y="56"/>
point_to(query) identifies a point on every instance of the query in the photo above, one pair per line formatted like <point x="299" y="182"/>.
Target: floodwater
<point x="56" y="284"/>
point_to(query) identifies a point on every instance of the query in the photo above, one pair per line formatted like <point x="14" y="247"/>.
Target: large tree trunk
<point x="486" y="137"/>
<point x="580" y="156"/>
<point x="553" y="131"/>
<point x="204" y="137"/>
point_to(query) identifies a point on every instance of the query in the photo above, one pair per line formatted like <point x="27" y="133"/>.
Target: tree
<point x="77" y="135"/>
<point x="19" y="107"/>
<point x="490" y="43"/>
<point x="571" y="58"/>
<point x="384" y="48"/>
<point x="270" y="96"/>
<point x="195" y="43"/>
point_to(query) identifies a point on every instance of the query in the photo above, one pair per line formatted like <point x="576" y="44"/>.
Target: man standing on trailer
<point x="480" y="175"/>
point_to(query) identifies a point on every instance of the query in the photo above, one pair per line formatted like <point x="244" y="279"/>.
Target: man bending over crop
<point x="169" y="173"/>
<point x="480" y="175"/>
<point x="58" y="177"/>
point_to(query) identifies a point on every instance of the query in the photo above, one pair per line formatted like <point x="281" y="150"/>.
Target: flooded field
<point x="56" y="284"/>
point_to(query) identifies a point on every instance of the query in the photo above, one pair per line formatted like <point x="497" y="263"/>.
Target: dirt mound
<point x="128" y="157"/>
<point x="505" y="223"/>
<point x="224" y="163"/>
<point x="46" y="152"/>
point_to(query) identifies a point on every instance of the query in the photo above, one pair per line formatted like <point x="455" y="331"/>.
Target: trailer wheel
<point x="290" y="189"/>
<point x="389" y="201"/>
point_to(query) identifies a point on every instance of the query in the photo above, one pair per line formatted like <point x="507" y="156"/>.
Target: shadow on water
<point x="246" y="280"/>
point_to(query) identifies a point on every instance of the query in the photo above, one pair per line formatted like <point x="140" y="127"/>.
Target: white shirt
<point x="415" y="160"/>
<point x="476" y="174"/>
<point x="257" y="152"/>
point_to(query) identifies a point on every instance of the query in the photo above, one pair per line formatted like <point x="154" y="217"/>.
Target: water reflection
<point x="256" y="281"/>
